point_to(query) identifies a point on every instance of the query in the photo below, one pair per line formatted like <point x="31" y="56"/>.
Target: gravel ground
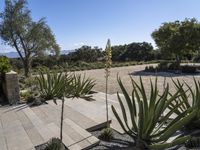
<point x="119" y="142"/>
<point x="135" y="72"/>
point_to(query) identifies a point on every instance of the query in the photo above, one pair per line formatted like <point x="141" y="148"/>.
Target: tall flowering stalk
<point x="108" y="63"/>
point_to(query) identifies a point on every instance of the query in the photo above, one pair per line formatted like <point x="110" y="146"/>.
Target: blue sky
<point x="92" y="22"/>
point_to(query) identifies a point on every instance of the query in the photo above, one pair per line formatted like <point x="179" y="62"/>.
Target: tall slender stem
<point x="61" y="120"/>
<point x="107" y="102"/>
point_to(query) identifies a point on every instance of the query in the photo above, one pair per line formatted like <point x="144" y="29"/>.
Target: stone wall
<point x="11" y="87"/>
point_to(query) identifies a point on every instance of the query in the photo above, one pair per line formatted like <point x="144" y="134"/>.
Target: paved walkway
<point x="23" y="127"/>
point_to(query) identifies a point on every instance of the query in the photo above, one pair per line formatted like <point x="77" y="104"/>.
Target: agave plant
<point x="143" y="119"/>
<point x="51" y="85"/>
<point x="106" y="134"/>
<point x="190" y="99"/>
<point x="54" y="144"/>
<point x="80" y="86"/>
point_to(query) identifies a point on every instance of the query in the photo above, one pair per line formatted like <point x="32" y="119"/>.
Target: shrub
<point x="54" y="144"/>
<point x="148" y="126"/>
<point x="30" y="83"/>
<point x="27" y="96"/>
<point x="150" y="69"/>
<point x="106" y="134"/>
<point x="189" y="69"/>
<point x="173" y="66"/>
<point x="4" y="65"/>
<point x="163" y="66"/>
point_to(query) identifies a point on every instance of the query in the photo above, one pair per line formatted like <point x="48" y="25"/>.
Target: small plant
<point x="150" y="69"/>
<point x="147" y="124"/>
<point x="189" y="69"/>
<point x="28" y="96"/>
<point x="4" y="65"/>
<point x="106" y="134"/>
<point x="193" y="143"/>
<point x="54" y="144"/>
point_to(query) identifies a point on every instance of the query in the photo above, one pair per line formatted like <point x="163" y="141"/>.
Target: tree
<point x="86" y="53"/>
<point x="137" y="51"/>
<point x="133" y="51"/>
<point x="117" y="52"/>
<point x="179" y="38"/>
<point x="29" y="38"/>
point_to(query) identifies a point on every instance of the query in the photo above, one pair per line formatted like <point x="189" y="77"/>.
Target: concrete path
<point x="23" y="127"/>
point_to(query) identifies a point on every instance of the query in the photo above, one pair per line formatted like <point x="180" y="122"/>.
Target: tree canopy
<point x="29" y="38"/>
<point x="178" y="38"/>
<point x="86" y="53"/>
<point x="133" y="51"/>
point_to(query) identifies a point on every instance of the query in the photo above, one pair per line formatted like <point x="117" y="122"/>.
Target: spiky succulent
<point x="51" y="85"/>
<point x="144" y="116"/>
<point x="189" y="99"/>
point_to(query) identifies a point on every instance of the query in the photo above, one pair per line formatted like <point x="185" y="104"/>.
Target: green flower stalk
<point x="108" y="63"/>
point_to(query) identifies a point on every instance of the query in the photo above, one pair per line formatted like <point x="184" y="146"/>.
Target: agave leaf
<point x="140" y="91"/>
<point x="132" y="134"/>
<point x="129" y="103"/>
<point x="140" y="121"/>
<point x="175" y="142"/>
<point x="177" y="125"/>
<point x="123" y="112"/>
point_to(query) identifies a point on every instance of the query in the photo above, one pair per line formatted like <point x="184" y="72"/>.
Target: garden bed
<point x="52" y="144"/>
<point x="125" y="142"/>
<point x="119" y="141"/>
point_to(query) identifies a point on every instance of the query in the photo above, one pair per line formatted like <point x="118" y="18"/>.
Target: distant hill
<point x="15" y="54"/>
<point x="10" y="54"/>
<point x="66" y="52"/>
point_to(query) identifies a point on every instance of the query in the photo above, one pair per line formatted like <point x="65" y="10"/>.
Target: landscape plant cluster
<point x="172" y="66"/>
<point x="50" y="62"/>
<point x="151" y="120"/>
<point x="4" y="67"/>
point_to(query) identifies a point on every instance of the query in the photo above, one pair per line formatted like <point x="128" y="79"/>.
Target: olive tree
<point x="29" y="38"/>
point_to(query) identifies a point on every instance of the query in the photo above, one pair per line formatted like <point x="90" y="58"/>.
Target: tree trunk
<point x="61" y="120"/>
<point x="178" y="61"/>
<point x="27" y="67"/>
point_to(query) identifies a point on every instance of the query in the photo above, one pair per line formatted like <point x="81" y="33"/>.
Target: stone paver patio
<point x="23" y="127"/>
